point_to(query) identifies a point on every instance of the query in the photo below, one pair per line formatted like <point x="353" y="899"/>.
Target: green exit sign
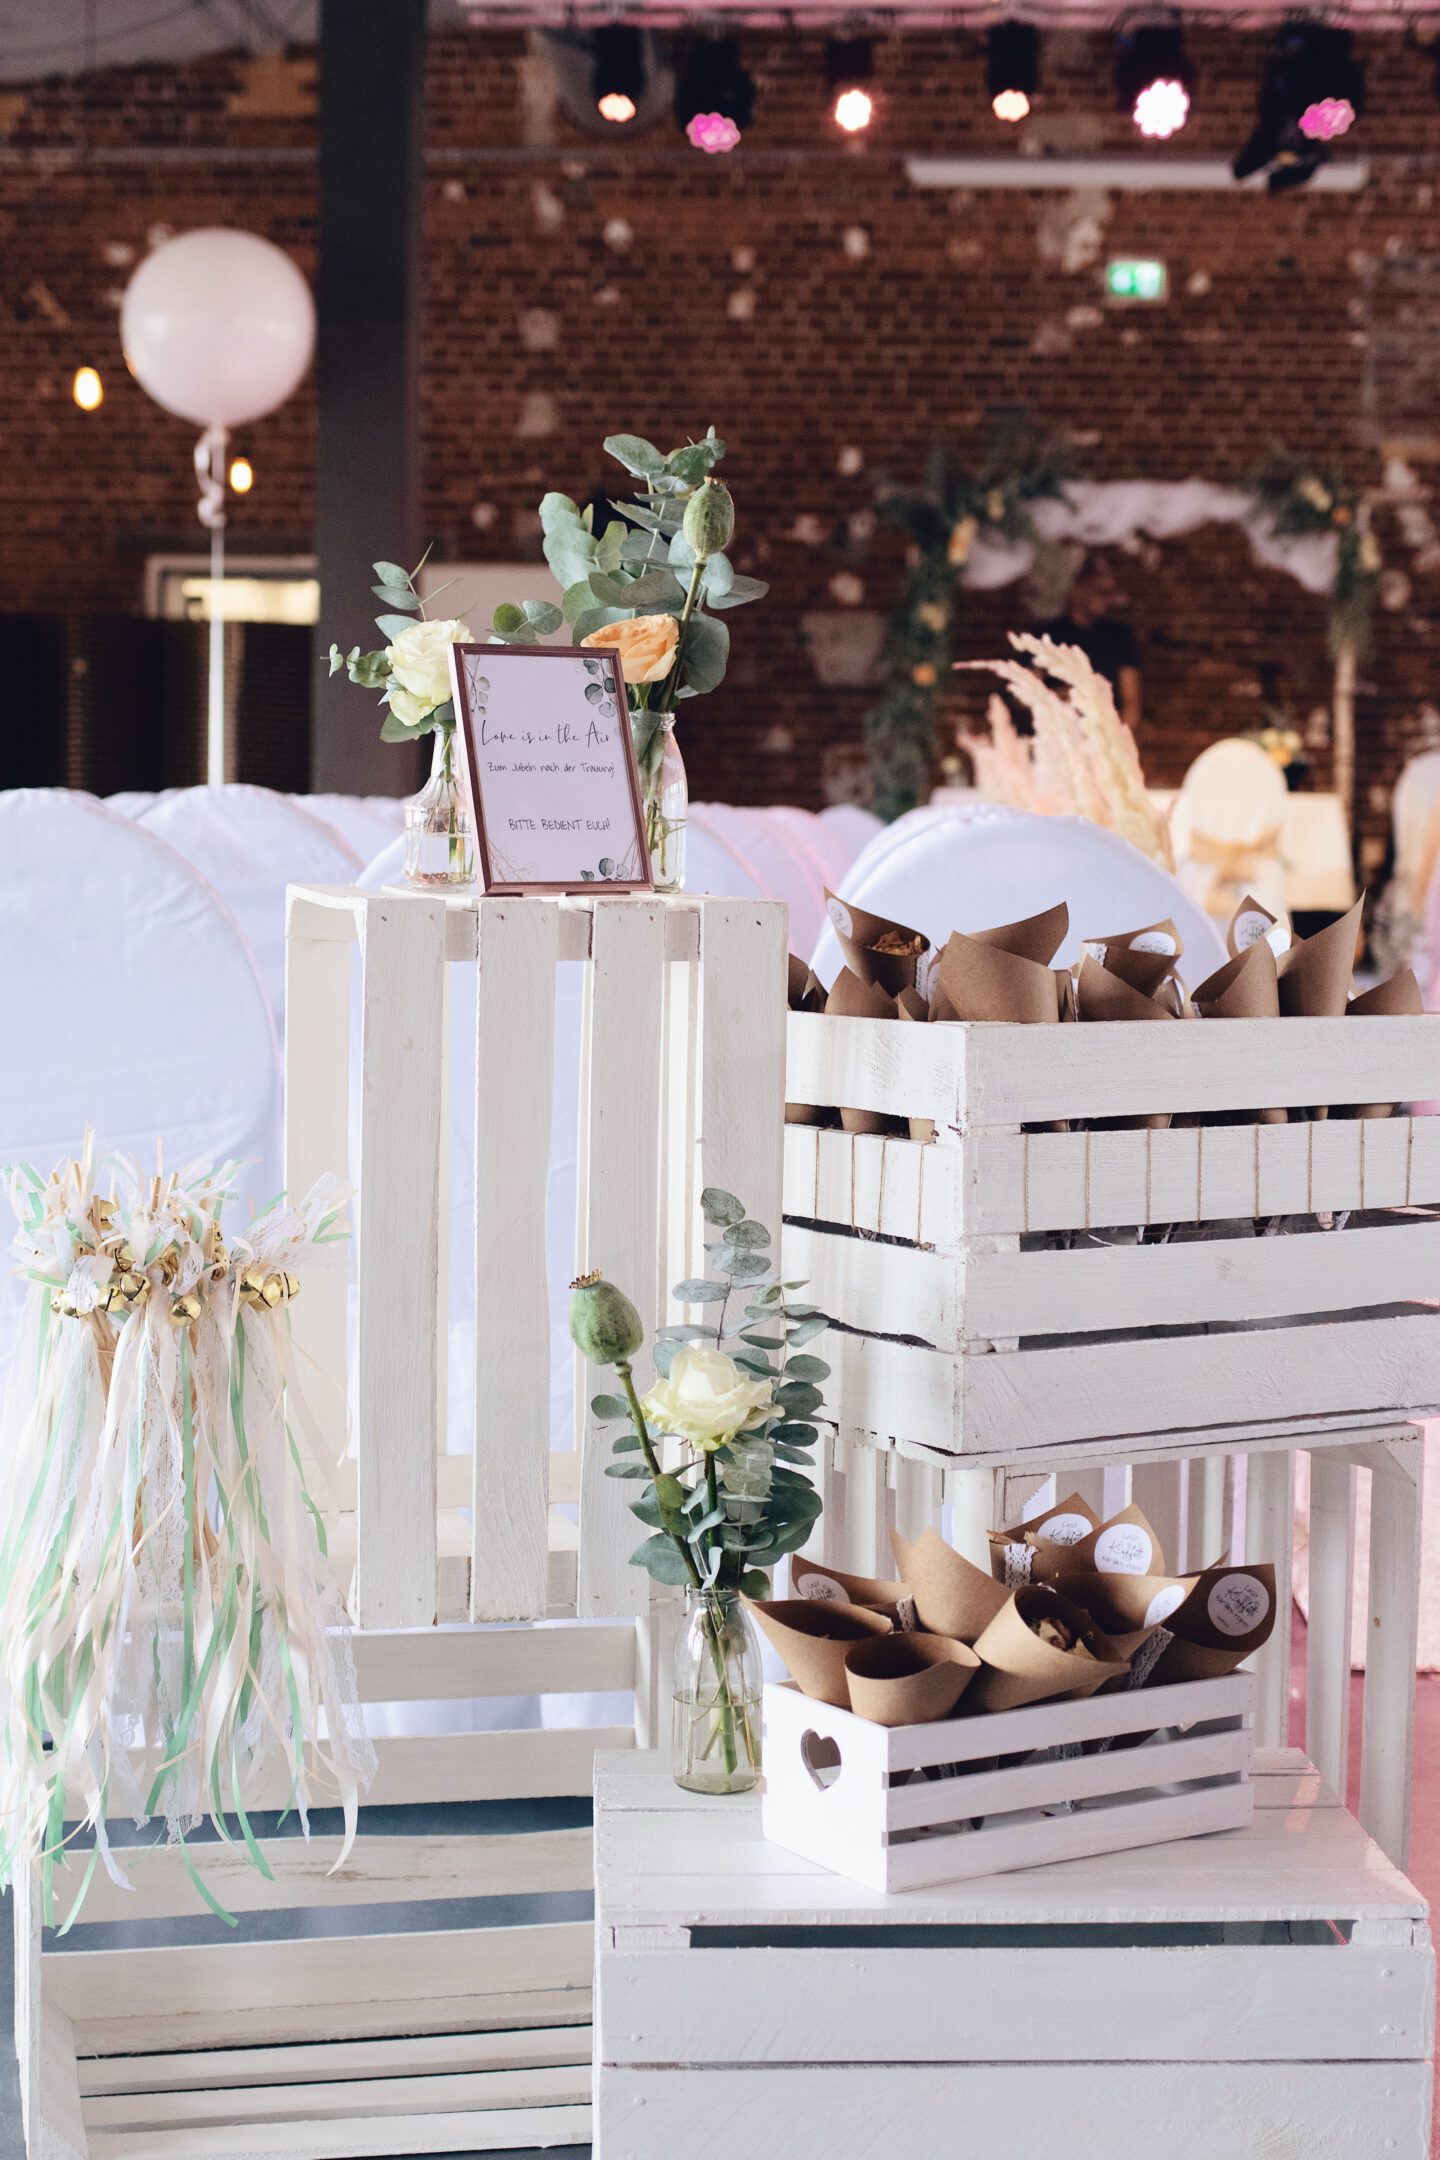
<point x="1128" y="278"/>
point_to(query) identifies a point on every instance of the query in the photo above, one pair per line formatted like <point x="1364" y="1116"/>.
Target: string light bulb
<point x="87" y="389"/>
<point x="242" y="475"/>
<point x="1012" y="69"/>
<point x="1153" y="79"/>
<point x="618" y="76"/>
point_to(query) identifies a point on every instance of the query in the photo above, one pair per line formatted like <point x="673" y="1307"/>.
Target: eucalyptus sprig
<point x="724" y="1440"/>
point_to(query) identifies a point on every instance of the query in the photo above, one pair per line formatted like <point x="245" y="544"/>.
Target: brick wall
<point x="831" y="319"/>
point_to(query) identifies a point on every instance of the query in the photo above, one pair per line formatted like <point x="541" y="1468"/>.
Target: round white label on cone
<point x="1153" y="941"/>
<point x="1124" y="1549"/>
<point x="1249" y="928"/>
<point x="1164" y="1603"/>
<point x="1237" y="1604"/>
<point x="819" y="1587"/>
<point x="1065" y="1529"/>
<point x="840" y="915"/>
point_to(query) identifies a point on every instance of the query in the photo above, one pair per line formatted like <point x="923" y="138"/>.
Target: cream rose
<point x="408" y="710"/>
<point x="707" y="1399"/>
<point x="646" y="645"/>
<point x="420" y="664"/>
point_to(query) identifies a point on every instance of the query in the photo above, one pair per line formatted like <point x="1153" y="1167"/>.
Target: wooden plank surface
<point x="1388" y="1750"/>
<point x="359" y="2138"/>
<point x="438" y="2054"/>
<point x="514" y="1086"/>
<point x="1331" y="1560"/>
<point x="1300" y="2003"/>
<point x="402" y="945"/>
<point x="436" y="2093"/>
<point x="620" y="1212"/>
<point x="742" y="1052"/>
<point x="430" y="1664"/>
<point x="1086" y="2111"/>
<point x="281" y="2026"/>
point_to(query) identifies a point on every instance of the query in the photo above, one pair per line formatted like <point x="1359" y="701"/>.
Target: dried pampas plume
<point x="1082" y="760"/>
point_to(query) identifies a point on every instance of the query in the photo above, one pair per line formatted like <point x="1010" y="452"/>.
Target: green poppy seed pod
<point x="604" y="1325"/>
<point x="709" y="520"/>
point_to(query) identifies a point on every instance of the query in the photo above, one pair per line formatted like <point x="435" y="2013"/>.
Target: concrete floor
<point x="1424" y="1870"/>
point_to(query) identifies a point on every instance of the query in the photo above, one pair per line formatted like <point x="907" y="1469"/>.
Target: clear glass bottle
<point x="439" y="844"/>
<point x="667" y="807"/>
<point x="715" y="1730"/>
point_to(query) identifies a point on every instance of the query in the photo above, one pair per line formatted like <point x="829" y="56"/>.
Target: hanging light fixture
<point x="1153" y="78"/>
<point x="849" y="67"/>
<point x="714" y="94"/>
<point x="618" y="75"/>
<point x="1312" y="92"/>
<point x="1012" y="69"/>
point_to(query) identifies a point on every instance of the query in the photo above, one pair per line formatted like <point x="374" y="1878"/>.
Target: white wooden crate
<point x="970" y="1341"/>
<point x="839" y="1789"/>
<point x="330" y="2045"/>
<point x="1266" y="1992"/>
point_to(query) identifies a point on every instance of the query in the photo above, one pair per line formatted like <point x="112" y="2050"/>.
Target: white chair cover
<point x="1227" y="828"/>
<point x="780" y="869"/>
<point x="132" y="802"/>
<point x="251" y="843"/>
<point x="856" y="827"/>
<point x="829" y="847"/>
<point x="713" y="864"/>
<point x="972" y="868"/>
<point x="367" y="823"/>
<point x="133" y="1002"/>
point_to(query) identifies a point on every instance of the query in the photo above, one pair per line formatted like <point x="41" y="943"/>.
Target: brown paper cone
<point x="806" y="993"/>
<point x="1249" y="925"/>
<point x="1245" y="988"/>
<point x="951" y="1597"/>
<point x="823" y="1585"/>
<point x="1103" y="995"/>
<point x="1401" y="994"/>
<point x="864" y="939"/>
<point x="978" y="981"/>
<point x="1064" y="1524"/>
<point x="1034" y="937"/>
<point x="908" y="1679"/>
<point x="813" y="1637"/>
<point x="1228" y="1612"/>
<point x="1016" y="1667"/>
<point x="1314" y="975"/>
<point x="1126" y="1544"/>
<point x="1144" y="958"/>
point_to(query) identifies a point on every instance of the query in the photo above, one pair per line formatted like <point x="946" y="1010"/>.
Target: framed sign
<point x="551" y="768"/>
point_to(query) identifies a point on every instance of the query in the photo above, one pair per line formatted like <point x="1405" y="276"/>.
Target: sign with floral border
<point x="551" y="769"/>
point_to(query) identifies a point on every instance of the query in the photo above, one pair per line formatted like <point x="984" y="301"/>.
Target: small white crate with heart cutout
<point x="864" y="1799"/>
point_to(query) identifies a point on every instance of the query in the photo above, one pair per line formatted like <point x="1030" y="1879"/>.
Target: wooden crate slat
<point x="402" y="946"/>
<point x="514" y="1078"/>
<point x="1250" y="2003"/>
<point x="620" y="1211"/>
<point x="362" y="2138"/>
<point x="1040" y="1784"/>
<point x="1345" y="2111"/>
<point x="430" y="1664"/>
<point x="385" y="1970"/>
<point x="212" y="2069"/>
<point x="438" y="2093"/>
<point x="302" y="2025"/>
<point x="742" y="1053"/>
<point x="379" y="1871"/>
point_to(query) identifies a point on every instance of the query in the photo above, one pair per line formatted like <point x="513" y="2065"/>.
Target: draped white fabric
<point x="1109" y="513"/>
<point x="969" y="868"/>
<point x="251" y="843"/>
<point x="367" y="823"/>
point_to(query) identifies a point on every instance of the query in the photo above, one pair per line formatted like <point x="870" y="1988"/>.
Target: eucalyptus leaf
<point x="656" y="590"/>
<point x="390" y="573"/>
<point x="661" y="1560"/>
<point x="707" y="650"/>
<point x="609" y="1406"/>
<point x="609" y="546"/>
<point x="806" y="1331"/>
<point x="393" y="730"/>
<point x="636" y="455"/>
<point x="625" y="1444"/>
<point x="626" y="1470"/>
<point x="405" y="602"/>
<point x="762" y="1342"/>
<point x="798" y="1396"/>
<point x="740" y="592"/>
<point x="691" y="464"/>
<point x="718" y="579"/>
<point x="682" y="1332"/>
<point x="391" y="626"/>
<point x="543" y="615"/>
<point x="665" y="1354"/>
<point x="806" y="1368"/>
<point x="721" y="1207"/>
<point x="748" y="1267"/>
<point x="594" y="618"/>
<point x="747" y="1233"/>
<point x="752" y="1362"/>
<point x="796" y="1433"/>
<point x="699" y="1290"/>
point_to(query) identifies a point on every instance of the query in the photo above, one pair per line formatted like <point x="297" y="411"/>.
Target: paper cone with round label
<point x="812" y="1638"/>
<point x="1128" y="1608"/>
<point x="1253" y="924"/>
<point x="1400" y="994"/>
<point x="852" y="998"/>
<point x="908" y="1679"/>
<point x="831" y="1586"/>
<point x="951" y="1597"/>
<point x="979" y="981"/>
<point x="876" y="949"/>
<point x="1228" y="1613"/>
<point x="1070" y="1520"/>
<point x="1315" y="974"/>
<point x="1018" y="1666"/>
<point x="1145" y="959"/>
<point x="1033" y="937"/>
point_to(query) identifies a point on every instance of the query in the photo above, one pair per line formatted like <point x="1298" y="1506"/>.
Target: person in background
<point x="1093" y="621"/>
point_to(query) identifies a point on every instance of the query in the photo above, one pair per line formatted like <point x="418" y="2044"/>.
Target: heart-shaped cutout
<point x="821" y="1757"/>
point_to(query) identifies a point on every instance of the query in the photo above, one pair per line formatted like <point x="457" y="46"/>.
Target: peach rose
<point x="646" y="645"/>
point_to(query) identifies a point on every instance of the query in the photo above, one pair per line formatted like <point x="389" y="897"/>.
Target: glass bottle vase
<point x="715" y="1729"/>
<point x="667" y="806"/>
<point x="439" y="842"/>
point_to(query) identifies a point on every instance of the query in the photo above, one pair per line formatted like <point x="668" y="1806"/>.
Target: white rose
<point x="420" y="661"/>
<point x="707" y="1399"/>
<point x="409" y="711"/>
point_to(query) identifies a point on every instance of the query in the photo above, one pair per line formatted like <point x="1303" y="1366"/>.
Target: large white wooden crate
<point x="340" y="2042"/>
<point x="901" y="1808"/>
<point x="983" y="1319"/>
<point x="1266" y="1992"/>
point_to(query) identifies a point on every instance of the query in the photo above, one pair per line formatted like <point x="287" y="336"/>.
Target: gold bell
<point x="185" y="1308"/>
